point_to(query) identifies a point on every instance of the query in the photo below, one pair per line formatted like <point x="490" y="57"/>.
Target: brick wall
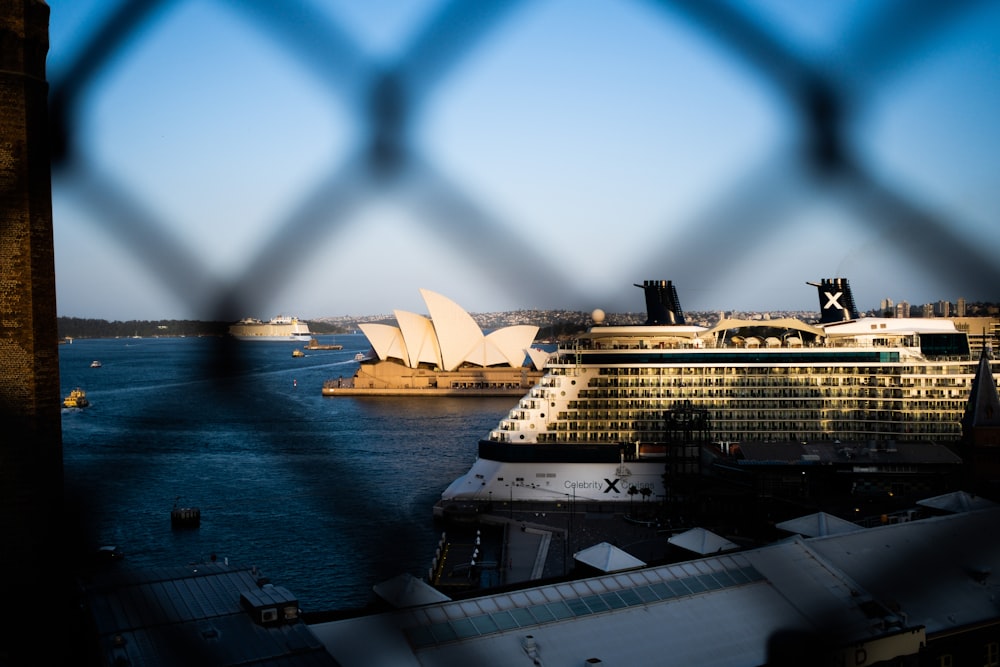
<point x="31" y="484"/>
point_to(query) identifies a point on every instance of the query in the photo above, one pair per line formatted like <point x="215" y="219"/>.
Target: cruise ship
<point x="595" y="426"/>
<point x="280" y="328"/>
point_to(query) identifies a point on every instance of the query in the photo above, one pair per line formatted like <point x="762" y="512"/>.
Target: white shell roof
<point x="387" y="341"/>
<point x="459" y="336"/>
<point x="420" y="341"/>
<point x="448" y="339"/>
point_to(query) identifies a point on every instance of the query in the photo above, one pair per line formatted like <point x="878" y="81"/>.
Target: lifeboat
<point x="652" y="451"/>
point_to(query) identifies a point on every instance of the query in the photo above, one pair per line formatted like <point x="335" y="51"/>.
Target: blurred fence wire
<point x="825" y="98"/>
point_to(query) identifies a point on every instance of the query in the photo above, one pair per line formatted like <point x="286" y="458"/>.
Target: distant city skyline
<point x="981" y="308"/>
<point x="319" y="158"/>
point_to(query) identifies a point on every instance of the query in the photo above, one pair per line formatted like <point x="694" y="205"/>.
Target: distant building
<point x="444" y="354"/>
<point x="448" y="339"/>
<point x="984" y="332"/>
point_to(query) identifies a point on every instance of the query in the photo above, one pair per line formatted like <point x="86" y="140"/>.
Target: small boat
<point x="298" y="353"/>
<point x="185" y="517"/>
<point x="76" y="399"/>
<point x="360" y="356"/>
<point x="95" y="364"/>
<point x="314" y="345"/>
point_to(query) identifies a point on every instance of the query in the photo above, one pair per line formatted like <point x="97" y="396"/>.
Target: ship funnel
<point x="836" y="303"/>
<point x="662" y="304"/>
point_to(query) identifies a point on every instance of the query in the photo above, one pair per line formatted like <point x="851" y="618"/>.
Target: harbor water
<point x="327" y="496"/>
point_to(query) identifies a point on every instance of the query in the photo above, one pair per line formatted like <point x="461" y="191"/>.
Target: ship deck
<point x="419" y="391"/>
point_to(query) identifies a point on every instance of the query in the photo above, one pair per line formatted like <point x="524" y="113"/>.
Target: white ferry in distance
<point x="596" y="423"/>
<point x="280" y="328"/>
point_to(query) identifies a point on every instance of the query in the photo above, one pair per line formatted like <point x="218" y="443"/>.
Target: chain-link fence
<point x="827" y="189"/>
<point x="803" y="189"/>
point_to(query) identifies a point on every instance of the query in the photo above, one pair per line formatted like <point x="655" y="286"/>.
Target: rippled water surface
<point x="328" y="496"/>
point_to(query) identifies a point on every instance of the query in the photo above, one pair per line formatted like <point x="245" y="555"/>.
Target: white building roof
<point x="420" y="343"/>
<point x="725" y="610"/>
<point x="702" y="542"/>
<point x="608" y="558"/>
<point x="957" y="501"/>
<point x="405" y="590"/>
<point x="387" y="341"/>
<point x="938" y="571"/>
<point x="818" y="524"/>
<point x="448" y="339"/>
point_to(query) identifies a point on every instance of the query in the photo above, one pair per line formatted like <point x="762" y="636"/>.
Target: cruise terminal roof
<point x="884" y="588"/>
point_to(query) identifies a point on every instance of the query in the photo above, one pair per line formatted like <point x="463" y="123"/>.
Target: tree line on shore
<point x="78" y="327"/>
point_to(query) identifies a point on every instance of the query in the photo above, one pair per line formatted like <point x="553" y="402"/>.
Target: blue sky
<point x="568" y="149"/>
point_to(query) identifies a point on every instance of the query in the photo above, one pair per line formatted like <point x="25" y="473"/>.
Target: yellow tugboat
<point x="76" y="399"/>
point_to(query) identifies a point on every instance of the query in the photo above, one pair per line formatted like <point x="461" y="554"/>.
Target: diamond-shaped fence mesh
<point x="821" y="88"/>
<point x="822" y="92"/>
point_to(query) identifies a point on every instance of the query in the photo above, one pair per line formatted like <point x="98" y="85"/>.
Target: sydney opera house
<point x="444" y="354"/>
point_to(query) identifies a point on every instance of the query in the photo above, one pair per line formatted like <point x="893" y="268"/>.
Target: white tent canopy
<point x="607" y="558"/>
<point x="819" y="524"/>
<point x="702" y="542"/>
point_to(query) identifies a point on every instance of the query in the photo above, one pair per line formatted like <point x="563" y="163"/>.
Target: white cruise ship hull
<point x="279" y="329"/>
<point x="500" y="481"/>
<point x="274" y="338"/>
